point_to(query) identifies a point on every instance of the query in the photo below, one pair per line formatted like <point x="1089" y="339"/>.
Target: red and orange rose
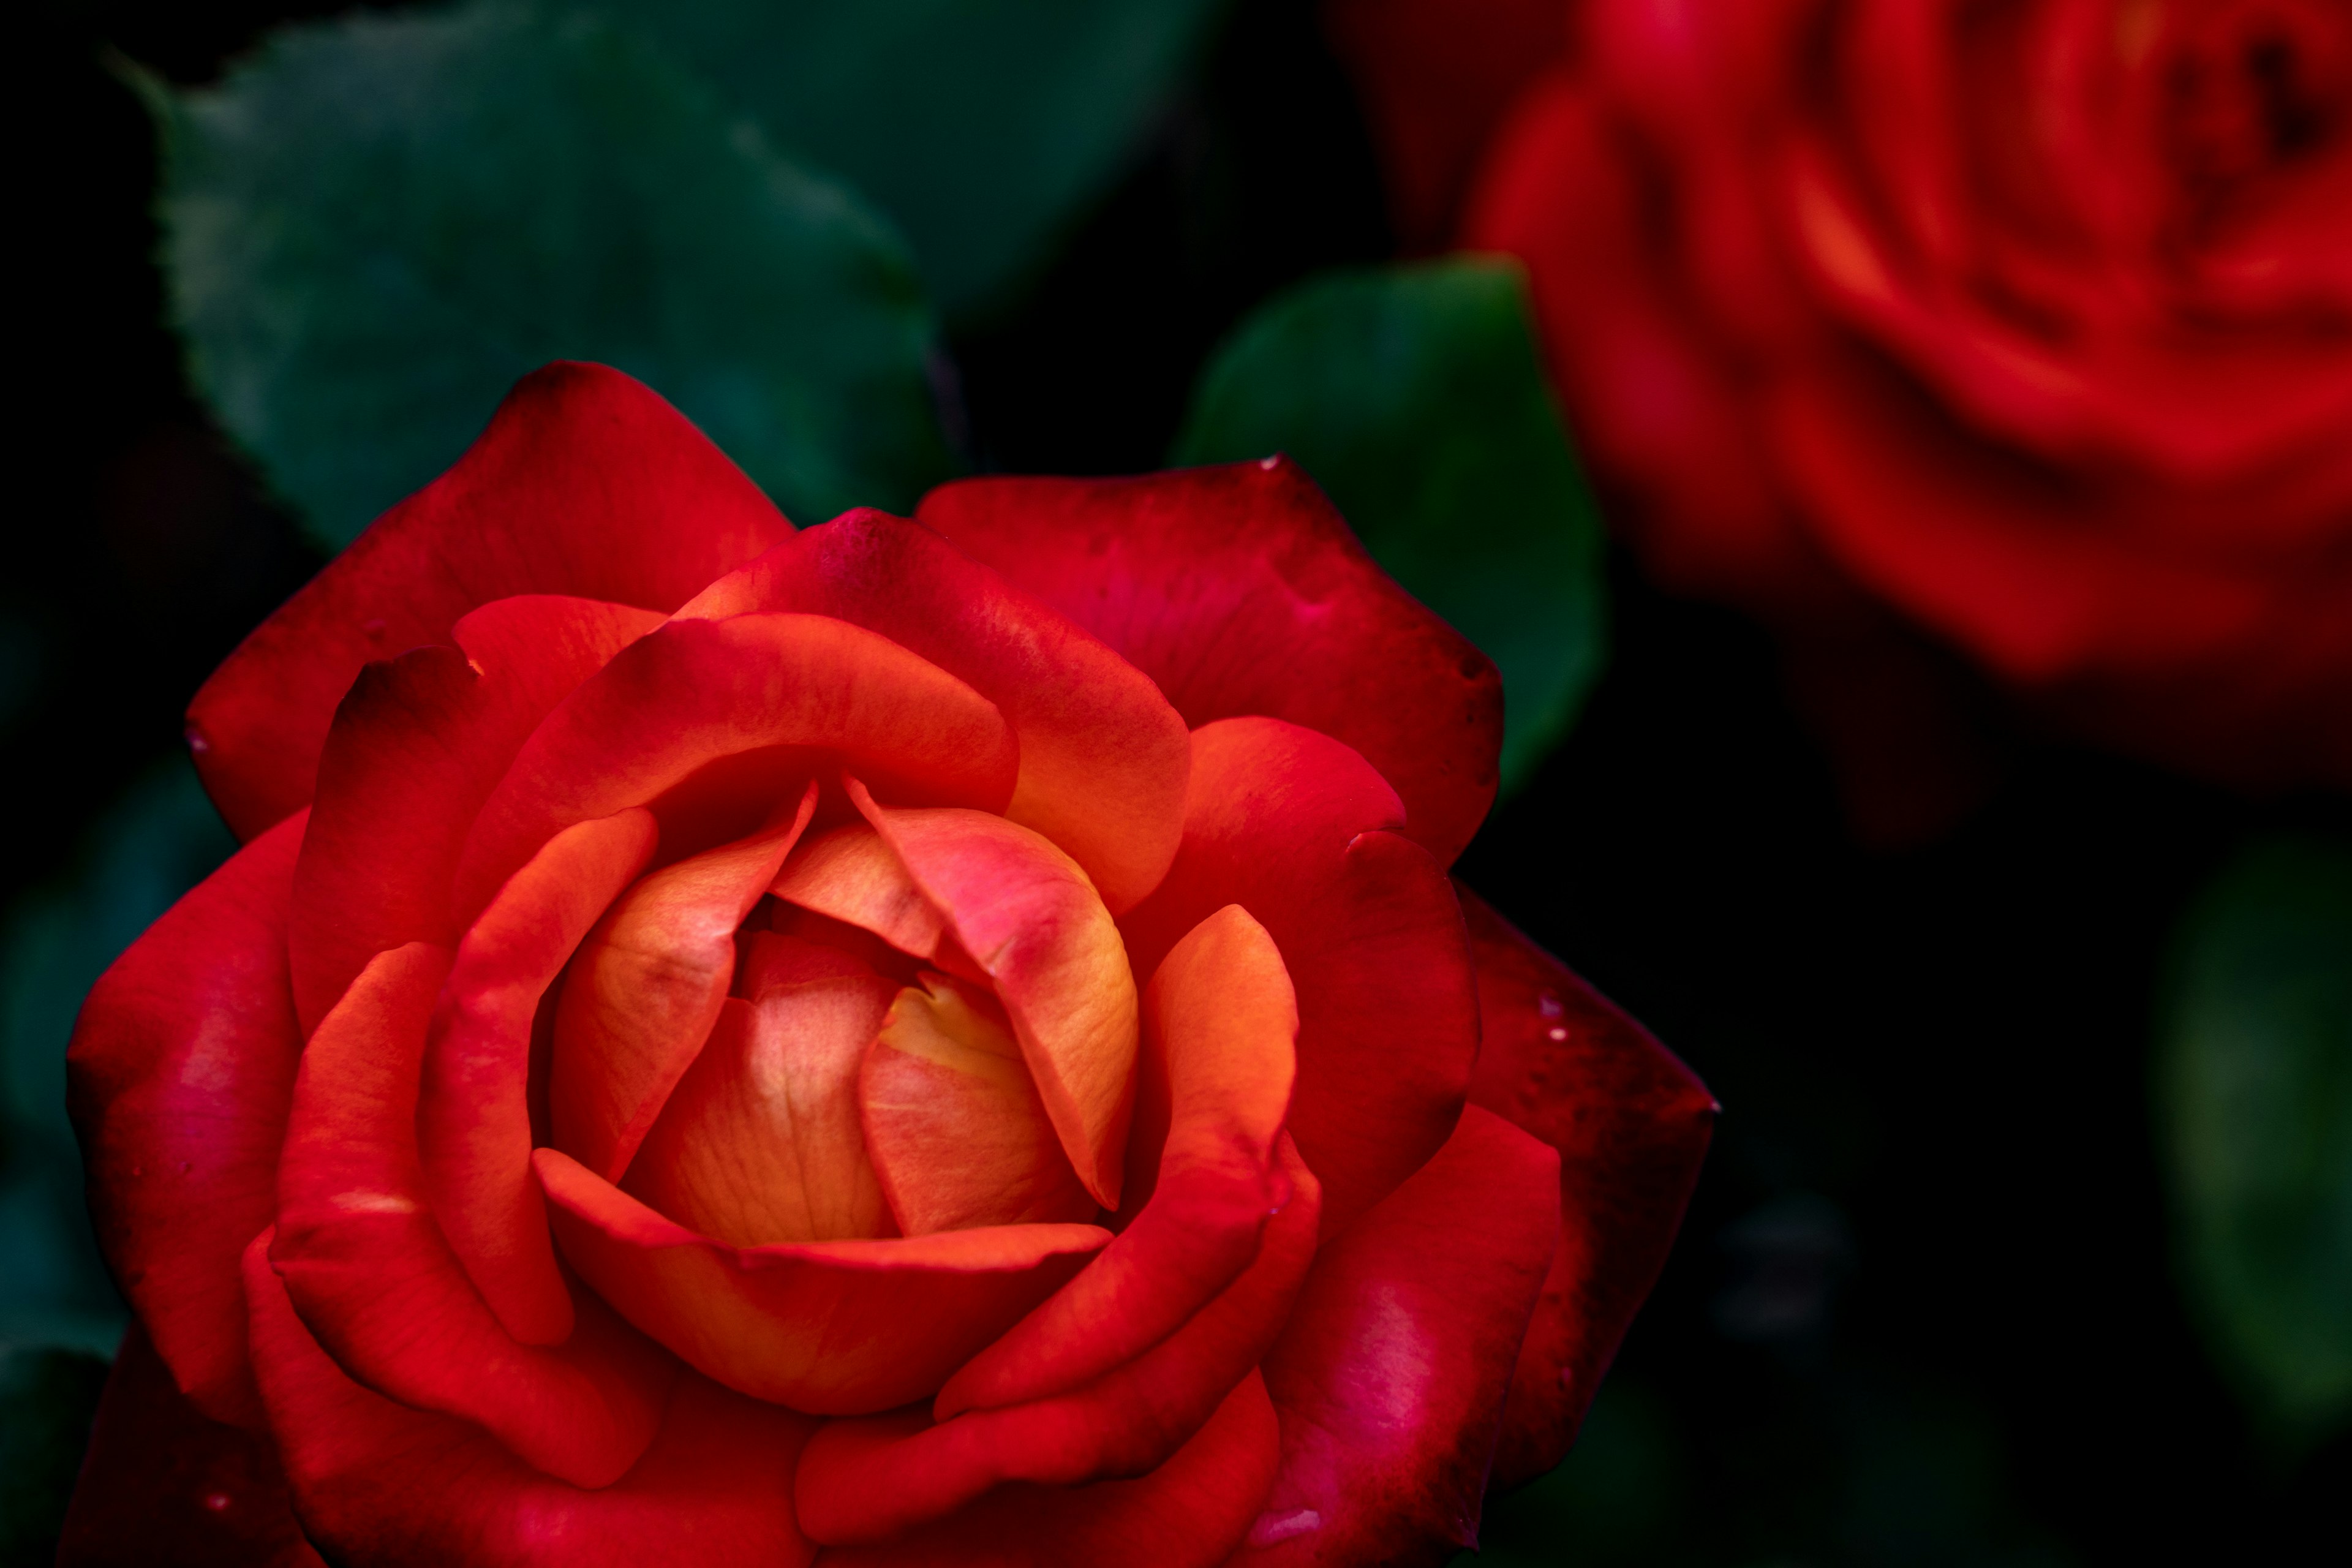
<point x="2030" y="323"/>
<point x="945" y="1040"/>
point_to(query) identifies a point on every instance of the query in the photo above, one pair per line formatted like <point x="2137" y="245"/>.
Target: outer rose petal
<point x="381" y="1485"/>
<point x="585" y="482"/>
<point x="415" y="748"/>
<point x="1661" y="407"/>
<point x="179" y="1077"/>
<point x="837" y="1328"/>
<point x="1240" y="590"/>
<point x="473" y="1115"/>
<point x="644" y="990"/>
<point x="1027" y="915"/>
<point x="1390" y="1376"/>
<point x="1294" y="826"/>
<point x="1631" y="1125"/>
<point x="696" y="692"/>
<point x="1220" y="1023"/>
<point x="872" y="1480"/>
<point x="1188" y="1513"/>
<point x="162" y="1483"/>
<point x="1103" y="756"/>
<point x="368" y="1270"/>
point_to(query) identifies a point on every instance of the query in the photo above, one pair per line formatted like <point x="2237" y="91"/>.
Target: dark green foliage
<point x="376" y="226"/>
<point x="1414" y="397"/>
<point x="47" y="1399"/>
<point x="2254" y="1100"/>
<point x="979" y="129"/>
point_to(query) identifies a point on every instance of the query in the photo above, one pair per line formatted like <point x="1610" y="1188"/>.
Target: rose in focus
<point x="938" y="1040"/>
<point x="2029" y="323"/>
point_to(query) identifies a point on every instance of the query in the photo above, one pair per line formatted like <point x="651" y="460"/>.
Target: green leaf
<point x="159" y="841"/>
<point x="376" y="225"/>
<point x="2253" y="1097"/>
<point x="979" y="127"/>
<point x="47" y="1398"/>
<point x="1414" y="396"/>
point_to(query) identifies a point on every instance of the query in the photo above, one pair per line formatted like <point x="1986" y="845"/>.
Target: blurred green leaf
<point x="2253" y="1096"/>
<point x="981" y="126"/>
<point x="376" y="224"/>
<point x="46" y="1399"/>
<point x="160" y="840"/>
<point x="1414" y="396"/>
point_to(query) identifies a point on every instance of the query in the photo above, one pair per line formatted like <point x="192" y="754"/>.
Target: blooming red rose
<point x="2031" y="323"/>
<point x="927" y="1041"/>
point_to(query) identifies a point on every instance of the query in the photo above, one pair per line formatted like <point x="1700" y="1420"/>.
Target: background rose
<point x="488" y="1084"/>
<point x="2031" y="323"/>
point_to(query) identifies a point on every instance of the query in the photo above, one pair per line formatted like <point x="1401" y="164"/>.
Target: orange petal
<point x="1030" y="919"/>
<point x="418" y="744"/>
<point x="875" y="1478"/>
<point x="953" y="1121"/>
<point x="836" y="1327"/>
<point x="1220" y="1023"/>
<point x="646" y="989"/>
<point x="697" y="693"/>
<point x="851" y="875"/>
<point x="1103" y="756"/>
<point x="370" y="1274"/>
<point x="473" y="1116"/>
<point x="761" y="1141"/>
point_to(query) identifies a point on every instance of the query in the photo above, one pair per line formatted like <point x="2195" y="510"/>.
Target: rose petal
<point x="641" y="993"/>
<point x="1220" y="1023"/>
<point x="1631" y="1125"/>
<point x="162" y="1483"/>
<point x="1027" y="915"/>
<point x="381" y="1485"/>
<point x="473" y="1117"/>
<point x="179" y="1077"/>
<point x="697" y="693"/>
<point x="872" y="1480"/>
<point x="953" y="1122"/>
<point x="835" y="1327"/>
<point x="1295" y="828"/>
<point x="849" y="874"/>
<point x="366" y="1267"/>
<point x="415" y="748"/>
<point x="1102" y="753"/>
<point x="585" y="483"/>
<point x="1190" y="1512"/>
<point x="1389" y="1378"/>
<point x="1240" y="590"/>
<point x="761" y="1142"/>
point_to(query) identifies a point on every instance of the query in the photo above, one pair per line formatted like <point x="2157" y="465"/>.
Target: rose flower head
<point x="2027" y="327"/>
<point x="925" y="1041"/>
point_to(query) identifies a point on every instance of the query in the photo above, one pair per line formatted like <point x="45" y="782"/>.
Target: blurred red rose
<point x="935" y="1041"/>
<point x="2030" y="323"/>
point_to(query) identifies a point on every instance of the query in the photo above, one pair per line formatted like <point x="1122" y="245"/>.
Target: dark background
<point x="1922" y="1310"/>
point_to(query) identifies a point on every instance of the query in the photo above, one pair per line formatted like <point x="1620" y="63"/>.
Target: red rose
<point x="938" y="1041"/>
<point x="2032" y="323"/>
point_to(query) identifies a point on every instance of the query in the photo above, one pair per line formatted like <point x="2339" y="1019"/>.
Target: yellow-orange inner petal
<point x="853" y="876"/>
<point x="761" y="1141"/>
<point x="953" y="1121"/>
